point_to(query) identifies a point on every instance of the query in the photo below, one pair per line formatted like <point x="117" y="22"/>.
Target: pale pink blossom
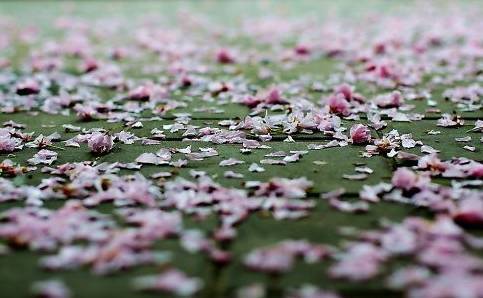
<point x="469" y="213"/>
<point x="141" y="93"/>
<point x="50" y="289"/>
<point x="283" y="187"/>
<point x="274" y="96"/>
<point x="361" y="261"/>
<point x="171" y="281"/>
<point x="409" y="277"/>
<point x="28" y="87"/>
<point x="309" y="291"/>
<point x="100" y="143"/>
<point x="281" y="257"/>
<point x="448" y="120"/>
<point x="44" y="156"/>
<point x="404" y="178"/>
<point x="432" y="163"/>
<point x="450" y="284"/>
<point x="391" y="100"/>
<point x="8" y="144"/>
<point x="85" y="112"/>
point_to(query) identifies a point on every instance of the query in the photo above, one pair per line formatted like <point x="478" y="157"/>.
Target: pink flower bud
<point x="338" y="105"/>
<point x="274" y="96"/>
<point x="346" y="90"/>
<point x="476" y="171"/>
<point x="302" y="50"/>
<point x="88" y="65"/>
<point x="225" y="57"/>
<point x="360" y="134"/>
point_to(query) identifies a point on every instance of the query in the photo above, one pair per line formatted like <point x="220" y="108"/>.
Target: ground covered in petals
<point x="299" y="149"/>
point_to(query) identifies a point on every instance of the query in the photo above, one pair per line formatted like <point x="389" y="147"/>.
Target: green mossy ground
<point x="20" y="268"/>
